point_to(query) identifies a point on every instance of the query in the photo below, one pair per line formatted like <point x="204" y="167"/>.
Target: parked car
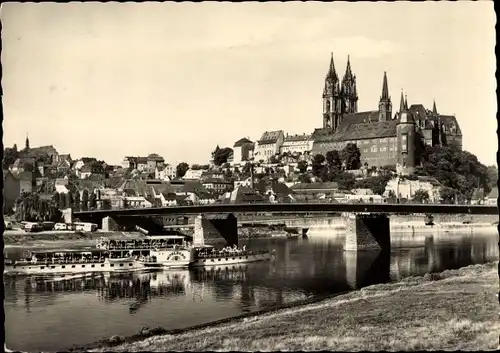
<point x="7" y="225"/>
<point x="61" y="226"/>
<point x="48" y="225"/>
<point x="32" y="227"/>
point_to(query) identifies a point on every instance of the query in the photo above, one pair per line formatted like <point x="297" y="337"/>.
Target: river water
<point x="51" y="314"/>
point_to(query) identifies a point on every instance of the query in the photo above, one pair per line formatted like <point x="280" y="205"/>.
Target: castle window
<point x="404" y="143"/>
<point x="374" y="148"/>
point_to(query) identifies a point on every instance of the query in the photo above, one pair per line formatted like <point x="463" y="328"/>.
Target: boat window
<point x="220" y="259"/>
<point x="63" y="266"/>
<point x="112" y="265"/>
<point x="121" y="265"/>
<point x="233" y="258"/>
<point x="73" y="266"/>
<point x="130" y="264"/>
<point x="42" y="267"/>
<point x="83" y="265"/>
<point x="102" y="265"/>
<point x="246" y="257"/>
<point x="92" y="266"/>
<point x="52" y="267"/>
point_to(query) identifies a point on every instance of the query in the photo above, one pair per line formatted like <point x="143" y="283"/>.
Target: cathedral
<point x="383" y="137"/>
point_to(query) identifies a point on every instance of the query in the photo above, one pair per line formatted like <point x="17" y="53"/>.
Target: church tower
<point x="385" y="105"/>
<point x="27" y="145"/>
<point x="332" y="101"/>
<point x="406" y="142"/>
<point x="348" y="91"/>
<point x="437" y="131"/>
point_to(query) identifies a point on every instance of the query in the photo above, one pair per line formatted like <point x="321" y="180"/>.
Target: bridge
<point x="367" y="226"/>
<point x="293" y="208"/>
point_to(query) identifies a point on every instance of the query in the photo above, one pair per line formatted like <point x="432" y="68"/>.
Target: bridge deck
<point x="296" y="208"/>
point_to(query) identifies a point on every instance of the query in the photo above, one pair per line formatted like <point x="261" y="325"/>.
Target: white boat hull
<point x="49" y="269"/>
<point x="167" y="258"/>
<point x="231" y="259"/>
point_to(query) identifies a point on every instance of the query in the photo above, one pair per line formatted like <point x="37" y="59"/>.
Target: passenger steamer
<point x="108" y="256"/>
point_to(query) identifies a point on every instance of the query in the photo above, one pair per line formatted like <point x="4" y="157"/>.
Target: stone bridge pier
<point x="208" y="227"/>
<point x="367" y="232"/>
<point x="367" y="249"/>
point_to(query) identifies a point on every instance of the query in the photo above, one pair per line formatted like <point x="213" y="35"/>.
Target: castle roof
<point x="241" y="142"/>
<point x="269" y="137"/>
<point x="361" y="131"/>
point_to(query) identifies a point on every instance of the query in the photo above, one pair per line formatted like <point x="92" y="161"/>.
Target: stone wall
<point x="208" y="229"/>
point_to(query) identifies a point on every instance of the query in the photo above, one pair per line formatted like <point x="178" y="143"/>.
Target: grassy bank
<point x="453" y="310"/>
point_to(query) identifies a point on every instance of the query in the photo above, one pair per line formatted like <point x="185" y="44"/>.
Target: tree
<point x="304" y="178"/>
<point x="9" y="157"/>
<point x="85" y="200"/>
<point x="221" y="155"/>
<point x="448" y="195"/>
<point x="421" y="196"/>
<point x="181" y="169"/>
<point x="273" y="159"/>
<point x="92" y="201"/>
<point x="317" y="164"/>
<point x="106" y="204"/>
<point x="29" y="207"/>
<point x="76" y="202"/>
<point x="345" y="180"/>
<point x="375" y="183"/>
<point x="302" y="166"/>
<point x="196" y="167"/>
<point x="69" y="200"/>
<point x="492" y="172"/>
<point x="56" y="198"/>
<point x="334" y="161"/>
<point x="351" y="156"/>
<point x="62" y="201"/>
<point x="456" y="169"/>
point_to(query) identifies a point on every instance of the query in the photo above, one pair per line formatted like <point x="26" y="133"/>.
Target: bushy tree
<point x="221" y="155"/>
<point x="302" y="166"/>
<point x="69" y="200"/>
<point x="9" y="157"/>
<point x="456" y="169"/>
<point x="448" y="195"/>
<point x="334" y="161"/>
<point x="375" y="183"/>
<point x="318" y="166"/>
<point x="351" y="156"/>
<point x="304" y="178"/>
<point x="30" y="207"/>
<point x="56" y="198"/>
<point x="421" y="196"/>
<point x="181" y="169"/>
<point x="492" y="171"/>
<point x="345" y="180"/>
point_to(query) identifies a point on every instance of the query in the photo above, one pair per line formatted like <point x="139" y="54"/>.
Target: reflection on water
<point x="55" y="313"/>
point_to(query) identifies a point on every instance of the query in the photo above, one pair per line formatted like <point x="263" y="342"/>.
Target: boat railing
<point x="231" y="254"/>
<point x="58" y="261"/>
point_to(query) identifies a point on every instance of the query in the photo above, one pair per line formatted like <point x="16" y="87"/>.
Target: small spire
<point x="385" y="89"/>
<point x="27" y="142"/>
<point x="402" y="104"/>
<point x="434" y="110"/>
<point x="406" y="102"/>
<point x="348" y="71"/>
<point x="331" y="71"/>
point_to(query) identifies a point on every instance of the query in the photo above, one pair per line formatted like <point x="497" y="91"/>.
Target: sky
<point x="110" y="80"/>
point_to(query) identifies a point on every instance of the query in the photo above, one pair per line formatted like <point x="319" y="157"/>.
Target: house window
<point x="404" y="143"/>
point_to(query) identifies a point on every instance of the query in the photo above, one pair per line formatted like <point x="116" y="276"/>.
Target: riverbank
<point x="452" y="310"/>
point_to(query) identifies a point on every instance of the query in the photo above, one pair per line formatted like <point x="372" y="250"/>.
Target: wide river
<point x="49" y="314"/>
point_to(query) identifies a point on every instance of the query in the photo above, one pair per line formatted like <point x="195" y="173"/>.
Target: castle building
<point x="382" y="137"/>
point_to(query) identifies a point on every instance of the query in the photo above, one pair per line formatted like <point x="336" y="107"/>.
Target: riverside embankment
<point x="452" y="310"/>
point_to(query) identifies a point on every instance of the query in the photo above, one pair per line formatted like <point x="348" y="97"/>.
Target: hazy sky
<point x="109" y="80"/>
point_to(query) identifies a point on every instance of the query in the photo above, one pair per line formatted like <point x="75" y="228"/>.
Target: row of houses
<point x="270" y="144"/>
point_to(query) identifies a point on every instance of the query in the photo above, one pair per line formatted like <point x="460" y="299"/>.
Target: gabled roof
<point x="242" y="142"/>
<point x="269" y="137"/>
